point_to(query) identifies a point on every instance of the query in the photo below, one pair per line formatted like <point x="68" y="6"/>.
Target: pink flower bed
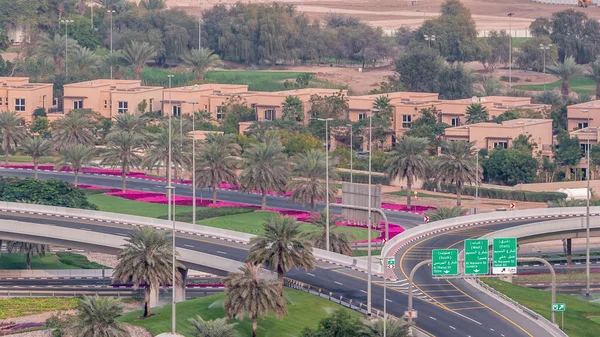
<point x="404" y="208"/>
<point x="99" y="188"/>
<point x="393" y="229"/>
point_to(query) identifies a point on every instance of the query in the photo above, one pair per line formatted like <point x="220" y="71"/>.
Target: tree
<point x="200" y="60"/>
<point x="457" y="165"/>
<point x="510" y="167"/>
<point x="36" y="147"/>
<point x="568" y="152"/>
<point x="54" y="48"/>
<point x="146" y="258"/>
<point x="12" y="131"/>
<point x="217" y="162"/>
<point x="84" y="62"/>
<point x="157" y="154"/>
<point x="292" y="109"/>
<point x="338" y="324"/>
<point x="76" y="127"/>
<point x="328" y="106"/>
<point x="418" y="69"/>
<point x="575" y="34"/>
<point x="123" y="149"/>
<point x="516" y="114"/>
<point x="455" y="82"/>
<point x="265" y="168"/>
<point x="248" y="293"/>
<point x="339" y="241"/>
<point x="282" y="246"/>
<point x="540" y="27"/>
<point x="213" y="328"/>
<point x="137" y="54"/>
<point x="487" y="86"/>
<point x="524" y="143"/>
<point x="442" y="213"/>
<point x="393" y="329"/>
<point x="133" y="123"/>
<point x="565" y="71"/>
<point x="594" y="73"/>
<point x="153" y="5"/>
<point x="408" y="161"/>
<point x="530" y="56"/>
<point x="236" y="109"/>
<point x="385" y="109"/>
<point x="76" y="157"/>
<point x="114" y="60"/>
<point x="309" y="169"/>
<point x="27" y="248"/>
<point x="498" y="42"/>
<point x="99" y="314"/>
<point x="477" y="113"/>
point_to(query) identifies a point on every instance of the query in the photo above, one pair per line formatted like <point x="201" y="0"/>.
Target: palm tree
<point x="408" y="161"/>
<point x="566" y="70"/>
<point x="200" y="60"/>
<point x="477" y="113"/>
<point x="107" y="4"/>
<point x="249" y="293"/>
<point x="213" y="328"/>
<point x="292" y="109"/>
<point x="457" y="165"/>
<point x="217" y="162"/>
<point x="393" y="329"/>
<point x="158" y="151"/>
<point x="53" y="49"/>
<point x="594" y="73"/>
<point x="445" y="213"/>
<point x="153" y="5"/>
<point x="99" y="314"/>
<point x="138" y="54"/>
<point x="265" y="168"/>
<point x="27" y="248"/>
<point x="12" y="130"/>
<point x="383" y="104"/>
<point x="123" y="149"/>
<point x="339" y="241"/>
<point x="74" y="128"/>
<point x="84" y="61"/>
<point x="310" y="169"/>
<point x="146" y="258"/>
<point x="76" y="157"/>
<point x="36" y="147"/>
<point x="130" y="123"/>
<point x="281" y="246"/>
<point x="114" y="60"/>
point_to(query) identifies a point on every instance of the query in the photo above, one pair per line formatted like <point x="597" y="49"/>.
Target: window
<point x="78" y="104"/>
<point x="205" y="107"/>
<point x="220" y="114"/>
<point x="455" y="121"/>
<point x="584" y="147"/>
<point x="151" y="105"/>
<point x="105" y="104"/>
<point x="19" y="104"/>
<point x="176" y="110"/>
<point x="0" y="100"/>
<point x="502" y="145"/>
<point x="269" y="114"/>
<point x="362" y="116"/>
<point x="122" y="107"/>
<point x="55" y="102"/>
<point x="582" y="125"/>
<point x="406" y="121"/>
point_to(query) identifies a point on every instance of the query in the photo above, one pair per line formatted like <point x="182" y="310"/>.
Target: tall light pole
<point x="326" y="120"/>
<point x="476" y="181"/>
<point x="369" y="220"/>
<point x="110" y="12"/>
<point x="199" y="33"/>
<point x="193" y="103"/>
<point x="351" y="152"/>
<point x="429" y="38"/>
<point x="92" y="16"/>
<point x="66" y="22"/>
<point x="587" y="210"/>
<point x="170" y="211"/>
<point x="510" y="15"/>
<point x="544" y="48"/>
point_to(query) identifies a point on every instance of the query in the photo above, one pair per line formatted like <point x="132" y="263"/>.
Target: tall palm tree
<point x="200" y="60"/>
<point x="36" y="147"/>
<point x="74" y="128"/>
<point x="27" y="248"/>
<point x="281" y="247"/>
<point x="84" y="61"/>
<point x="383" y="104"/>
<point x="443" y="213"/>
<point x="213" y="328"/>
<point x="153" y="5"/>
<point x="123" y="149"/>
<point x="393" y="329"/>
<point x="408" y="161"/>
<point x="137" y="54"/>
<point x="76" y="157"/>
<point x="594" y="73"/>
<point x="146" y="258"/>
<point x="457" y="165"/>
<point x="249" y="293"/>
<point x="157" y="154"/>
<point x="97" y="316"/>
<point x="53" y="49"/>
<point x="339" y="241"/>
<point x="12" y="131"/>
<point x="265" y="167"/>
<point x="309" y="169"/>
<point x="292" y="109"/>
<point x="130" y="123"/>
<point x="217" y="162"/>
<point x="566" y="70"/>
<point x="114" y="60"/>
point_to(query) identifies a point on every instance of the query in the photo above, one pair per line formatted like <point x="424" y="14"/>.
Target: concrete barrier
<point x="56" y="274"/>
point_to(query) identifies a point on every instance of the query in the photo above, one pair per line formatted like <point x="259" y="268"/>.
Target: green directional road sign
<point x="444" y="262"/>
<point x="477" y="257"/>
<point x="559" y="307"/>
<point x="505" y="256"/>
<point x="391" y="263"/>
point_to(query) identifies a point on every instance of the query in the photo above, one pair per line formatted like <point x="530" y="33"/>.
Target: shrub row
<point x="493" y="193"/>
<point x="77" y="260"/>
<point x="51" y="192"/>
<point x="362" y="178"/>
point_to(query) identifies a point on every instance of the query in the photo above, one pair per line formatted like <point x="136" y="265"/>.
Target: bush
<point x="77" y="260"/>
<point x="362" y="178"/>
<point x="51" y="192"/>
<point x="207" y="213"/>
<point x="499" y="194"/>
<point x="507" y="79"/>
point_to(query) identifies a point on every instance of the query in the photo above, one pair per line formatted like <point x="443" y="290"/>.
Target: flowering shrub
<point x="404" y="208"/>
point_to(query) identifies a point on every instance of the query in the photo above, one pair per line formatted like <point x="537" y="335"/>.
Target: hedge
<point x="362" y="178"/>
<point x="493" y="193"/>
<point x="51" y="192"/>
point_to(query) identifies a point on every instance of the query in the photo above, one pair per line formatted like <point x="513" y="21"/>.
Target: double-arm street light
<point x="66" y="23"/>
<point x="544" y="48"/>
<point x="429" y="38"/>
<point x="326" y="120"/>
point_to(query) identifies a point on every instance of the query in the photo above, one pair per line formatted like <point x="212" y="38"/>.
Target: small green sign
<point x="391" y="263"/>
<point x="505" y="256"/>
<point x="559" y="307"/>
<point x="477" y="256"/>
<point x="444" y="262"/>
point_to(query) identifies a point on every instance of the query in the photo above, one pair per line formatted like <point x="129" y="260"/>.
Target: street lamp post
<point x="429" y="38"/>
<point x="170" y="212"/>
<point x="110" y="12"/>
<point x="369" y="220"/>
<point x="193" y="103"/>
<point x="587" y="211"/>
<point x="510" y="15"/>
<point x="351" y="153"/>
<point x="544" y="48"/>
<point x="199" y="33"/>
<point x="326" y="120"/>
<point x="66" y="22"/>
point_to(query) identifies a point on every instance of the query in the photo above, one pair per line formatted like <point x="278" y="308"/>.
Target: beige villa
<point x="17" y="94"/>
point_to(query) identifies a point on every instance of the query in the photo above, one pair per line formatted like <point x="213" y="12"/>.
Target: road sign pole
<point x="562" y="318"/>
<point x="384" y="306"/>
<point x="410" y="287"/>
<point x="553" y="287"/>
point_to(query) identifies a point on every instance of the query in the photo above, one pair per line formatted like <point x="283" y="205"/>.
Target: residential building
<point x="588" y="137"/>
<point x="111" y="97"/>
<point x="17" y="94"/>
<point x="492" y="135"/>
<point x="581" y="116"/>
<point x="207" y="97"/>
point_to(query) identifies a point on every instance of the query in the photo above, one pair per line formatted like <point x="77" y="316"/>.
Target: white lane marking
<point x="220" y="252"/>
<point x="502" y="334"/>
<point x="362" y="291"/>
<point x="54" y="282"/>
<point x="310" y="274"/>
<point x="388" y="300"/>
<point x="122" y="234"/>
<point x="469" y="318"/>
<point x="433" y="318"/>
<point x="85" y="229"/>
<point x="189" y="246"/>
<point x="336" y="282"/>
<point x="451" y="327"/>
<point x="491" y="329"/>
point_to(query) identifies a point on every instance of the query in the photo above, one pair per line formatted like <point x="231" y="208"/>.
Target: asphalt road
<point x="446" y="309"/>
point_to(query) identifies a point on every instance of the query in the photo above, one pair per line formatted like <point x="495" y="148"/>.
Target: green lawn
<point x="108" y="203"/>
<point x="24" y="306"/>
<point x="50" y="261"/>
<point x="580" y="84"/>
<point x="28" y="159"/>
<point x="261" y="80"/>
<point x="577" y="323"/>
<point x="360" y="252"/>
<point x="518" y="41"/>
<point x="573" y="276"/>
<point x="304" y="310"/>
<point x="425" y="195"/>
